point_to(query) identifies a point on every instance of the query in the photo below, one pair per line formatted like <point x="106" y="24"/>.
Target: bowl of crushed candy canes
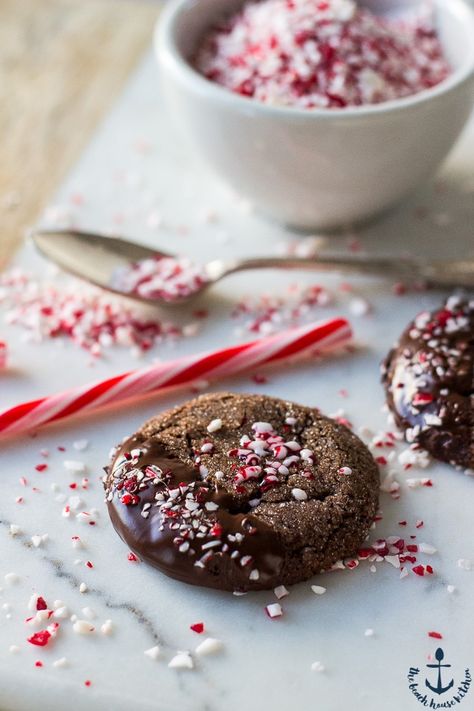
<point x="321" y="113"/>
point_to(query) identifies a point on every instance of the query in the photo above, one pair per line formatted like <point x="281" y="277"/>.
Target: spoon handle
<point x="443" y="274"/>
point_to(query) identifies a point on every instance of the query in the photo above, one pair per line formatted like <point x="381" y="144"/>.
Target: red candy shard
<point x="435" y="635"/>
<point x="40" y="639"/>
<point x="197" y="627"/>
<point x="41" y="604"/>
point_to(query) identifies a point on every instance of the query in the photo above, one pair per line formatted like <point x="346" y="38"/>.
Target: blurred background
<point x="62" y="63"/>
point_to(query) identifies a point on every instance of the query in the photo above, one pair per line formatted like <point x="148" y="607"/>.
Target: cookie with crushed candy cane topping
<point x="242" y="492"/>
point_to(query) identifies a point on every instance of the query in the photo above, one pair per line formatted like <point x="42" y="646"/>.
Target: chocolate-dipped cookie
<point x="429" y="381"/>
<point x="242" y="492"/>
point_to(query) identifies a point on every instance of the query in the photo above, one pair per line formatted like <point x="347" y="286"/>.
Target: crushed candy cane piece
<point x="181" y="660"/>
<point x="83" y="627"/>
<point x="313" y="54"/>
<point x="152" y="653"/>
<point x="107" y="628"/>
<point x="209" y="646"/>
<point x="214" y="425"/>
<point x="274" y="610"/>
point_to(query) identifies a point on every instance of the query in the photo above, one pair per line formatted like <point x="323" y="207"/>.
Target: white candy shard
<point x="89" y="613"/>
<point x="274" y="610"/>
<point x="83" y="627"/>
<point x="60" y="663"/>
<point x="74" y="466"/>
<point x="427" y="548"/>
<point x="209" y="646"/>
<point x="12" y="578"/>
<point x="152" y="653"/>
<point x="181" y="660"/>
<point x="214" y="425"/>
<point x="107" y="628"/>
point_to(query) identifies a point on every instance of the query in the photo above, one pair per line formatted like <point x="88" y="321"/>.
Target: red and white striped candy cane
<point x="285" y="346"/>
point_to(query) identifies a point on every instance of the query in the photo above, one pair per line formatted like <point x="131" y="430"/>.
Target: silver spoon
<point x="98" y="259"/>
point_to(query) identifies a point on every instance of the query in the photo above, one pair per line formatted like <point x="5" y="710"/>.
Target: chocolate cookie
<point x="242" y="492"/>
<point x="429" y="381"/>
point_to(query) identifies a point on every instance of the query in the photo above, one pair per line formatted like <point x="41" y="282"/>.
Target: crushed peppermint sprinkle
<point x="88" y="317"/>
<point x="345" y="471"/>
<point x="11" y="578"/>
<point x="197" y="627"/>
<point x="325" y="55"/>
<point x="107" y="628"/>
<point x="166" y="278"/>
<point x="74" y="466"/>
<point x="318" y="589"/>
<point x="422" y="570"/>
<point x="152" y="653"/>
<point x="266" y="314"/>
<point x="214" y="425"/>
<point x="83" y="627"/>
<point x="3" y="355"/>
<point x="274" y="610"/>
<point x="181" y="660"/>
<point x="60" y="663"/>
<point x="317" y="667"/>
<point x="209" y="646"/>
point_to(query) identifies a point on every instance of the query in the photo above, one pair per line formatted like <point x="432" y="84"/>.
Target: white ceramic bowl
<point x="316" y="168"/>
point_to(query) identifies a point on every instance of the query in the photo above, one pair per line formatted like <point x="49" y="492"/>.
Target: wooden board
<point x="61" y="64"/>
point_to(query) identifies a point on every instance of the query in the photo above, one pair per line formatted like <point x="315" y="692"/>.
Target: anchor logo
<point x="439" y="688"/>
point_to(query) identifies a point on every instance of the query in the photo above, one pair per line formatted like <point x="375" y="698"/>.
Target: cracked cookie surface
<point x="242" y="492"/>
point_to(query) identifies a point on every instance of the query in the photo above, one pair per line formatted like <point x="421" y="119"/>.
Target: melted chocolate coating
<point x="152" y="539"/>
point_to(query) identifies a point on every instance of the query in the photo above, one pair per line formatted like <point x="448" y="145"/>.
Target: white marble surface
<point x="265" y="664"/>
